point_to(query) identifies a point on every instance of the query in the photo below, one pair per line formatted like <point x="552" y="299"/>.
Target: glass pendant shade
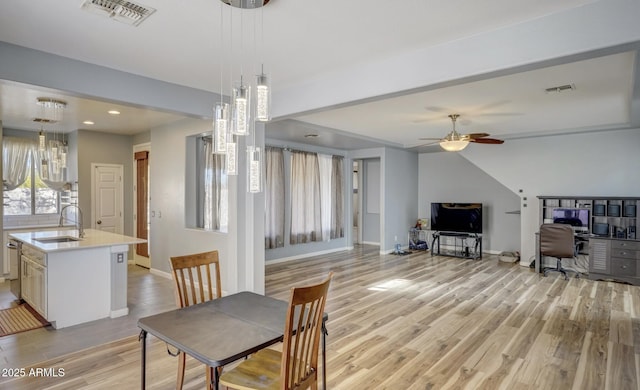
<point x="454" y="146"/>
<point x="263" y="98"/>
<point x="63" y="158"/>
<point x="254" y="164"/>
<point x="231" y="159"/>
<point x="42" y="143"/>
<point x="221" y="128"/>
<point x="44" y="169"/>
<point x="241" y="104"/>
<point x="54" y="149"/>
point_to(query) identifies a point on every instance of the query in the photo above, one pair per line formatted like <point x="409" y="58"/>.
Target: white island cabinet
<point x="70" y="281"/>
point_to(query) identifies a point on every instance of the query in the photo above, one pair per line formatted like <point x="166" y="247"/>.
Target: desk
<point x="222" y="330"/>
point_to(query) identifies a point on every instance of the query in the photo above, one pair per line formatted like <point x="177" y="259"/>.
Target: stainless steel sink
<point x="51" y="240"/>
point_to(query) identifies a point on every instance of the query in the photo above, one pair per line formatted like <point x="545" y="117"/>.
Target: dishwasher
<point x="15" y="252"/>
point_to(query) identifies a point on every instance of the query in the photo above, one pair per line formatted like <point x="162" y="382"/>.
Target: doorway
<point x="357" y="203"/>
<point x="141" y="203"/>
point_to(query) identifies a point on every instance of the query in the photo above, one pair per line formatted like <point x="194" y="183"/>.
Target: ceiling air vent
<point x="561" y="88"/>
<point x="120" y="10"/>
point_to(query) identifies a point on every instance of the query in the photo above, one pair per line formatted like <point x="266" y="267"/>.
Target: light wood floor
<point x="413" y="322"/>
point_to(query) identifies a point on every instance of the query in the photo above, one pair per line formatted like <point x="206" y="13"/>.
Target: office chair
<point x="556" y="240"/>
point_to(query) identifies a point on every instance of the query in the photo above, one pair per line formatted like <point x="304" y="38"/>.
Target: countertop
<point x="92" y="239"/>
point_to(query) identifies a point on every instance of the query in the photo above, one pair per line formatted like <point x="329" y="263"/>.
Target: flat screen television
<point x="456" y="217"/>
<point x="578" y="218"/>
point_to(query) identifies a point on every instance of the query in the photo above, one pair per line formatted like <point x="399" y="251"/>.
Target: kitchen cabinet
<point x="34" y="279"/>
<point x="34" y="286"/>
<point x="71" y="280"/>
<point x="9" y="269"/>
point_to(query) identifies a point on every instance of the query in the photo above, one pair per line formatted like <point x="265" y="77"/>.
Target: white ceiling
<point x="308" y="40"/>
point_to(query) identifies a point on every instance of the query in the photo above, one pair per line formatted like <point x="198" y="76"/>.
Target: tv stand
<point x="462" y="248"/>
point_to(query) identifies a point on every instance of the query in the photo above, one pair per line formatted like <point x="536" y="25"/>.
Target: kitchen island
<point x="71" y="280"/>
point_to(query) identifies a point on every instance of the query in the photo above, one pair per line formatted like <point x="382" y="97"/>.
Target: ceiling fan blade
<point x="430" y="139"/>
<point x="491" y="141"/>
<point x="477" y="135"/>
<point x="427" y="144"/>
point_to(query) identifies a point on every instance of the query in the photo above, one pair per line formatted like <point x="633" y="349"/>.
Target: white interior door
<point x="107" y="198"/>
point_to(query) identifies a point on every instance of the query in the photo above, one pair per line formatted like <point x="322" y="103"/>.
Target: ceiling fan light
<point x="454" y="146"/>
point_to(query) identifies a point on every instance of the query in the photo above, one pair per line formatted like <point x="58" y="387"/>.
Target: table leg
<point x="216" y="378"/>
<point x="324" y="355"/>
<point x="143" y="365"/>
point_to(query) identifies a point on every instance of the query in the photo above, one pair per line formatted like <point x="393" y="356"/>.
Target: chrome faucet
<point x="78" y="221"/>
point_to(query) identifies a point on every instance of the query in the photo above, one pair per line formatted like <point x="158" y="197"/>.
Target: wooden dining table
<point x="222" y="330"/>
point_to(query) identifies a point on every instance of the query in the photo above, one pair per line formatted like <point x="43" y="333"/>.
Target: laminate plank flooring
<point x="395" y="322"/>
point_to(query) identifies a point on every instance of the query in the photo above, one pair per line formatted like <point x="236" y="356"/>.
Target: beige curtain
<point x="16" y="154"/>
<point x="337" y="197"/>
<point x="305" y="198"/>
<point x="325" y="166"/>
<point x="274" y="198"/>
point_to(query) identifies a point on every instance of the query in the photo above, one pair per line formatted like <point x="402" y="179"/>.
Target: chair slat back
<point x="302" y="335"/>
<point x="192" y="276"/>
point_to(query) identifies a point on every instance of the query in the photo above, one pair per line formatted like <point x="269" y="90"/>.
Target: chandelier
<point x="234" y="120"/>
<point x="52" y="147"/>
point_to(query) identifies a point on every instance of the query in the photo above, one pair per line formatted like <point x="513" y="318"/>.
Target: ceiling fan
<point x="454" y="141"/>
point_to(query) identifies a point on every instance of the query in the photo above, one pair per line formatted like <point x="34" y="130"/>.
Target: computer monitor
<point x="577" y="218"/>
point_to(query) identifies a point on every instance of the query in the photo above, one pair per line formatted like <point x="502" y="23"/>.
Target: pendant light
<point x="241" y="112"/>
<point x="231" y="159"/>
<point x="221" y="110"/>
<point x="263" y="93"/>
<point x="238" y="116"/>
<point x="42" y="141"/>
<point x="262" y="98"/>
<point x="221" y="127"/>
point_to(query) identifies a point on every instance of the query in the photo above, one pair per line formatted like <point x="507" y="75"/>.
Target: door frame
<point x="120" y="194"/>
<point x="143" y="147"/>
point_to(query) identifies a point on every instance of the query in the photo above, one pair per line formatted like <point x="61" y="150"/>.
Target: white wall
<point x="400" y="196"/>
<point x="589" y="164"/>
<point x="450" y="177"/>
<point x="169" y="236"/>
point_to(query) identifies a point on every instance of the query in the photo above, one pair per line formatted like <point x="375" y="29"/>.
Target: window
<point x="316" y="197"/>
<point x="25" y="193"/>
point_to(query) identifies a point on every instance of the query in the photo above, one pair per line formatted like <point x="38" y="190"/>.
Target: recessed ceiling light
<point x="114" y="112"/>
<point x="89" y="123"/>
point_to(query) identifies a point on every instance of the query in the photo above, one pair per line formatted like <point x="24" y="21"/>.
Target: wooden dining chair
<point x="296" y="367"/>
<point x="193" y="282"/>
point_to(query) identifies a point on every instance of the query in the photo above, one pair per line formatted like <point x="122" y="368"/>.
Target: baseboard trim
<point x="305" y="255"/>
<point x="119" y="313"/>
<point x="164" y="274"/>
